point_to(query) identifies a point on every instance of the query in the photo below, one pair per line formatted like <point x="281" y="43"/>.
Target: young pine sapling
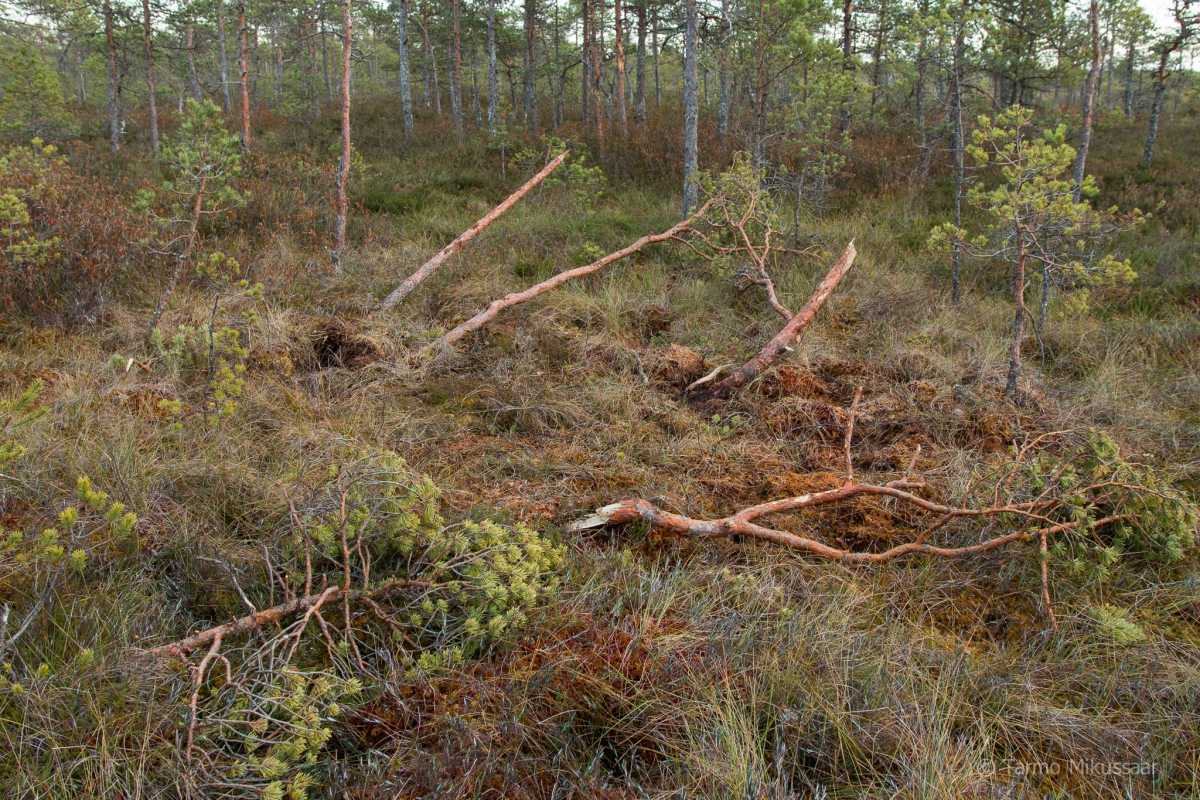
<point x="203" y="160"/>
<point x="1034" y="221"/>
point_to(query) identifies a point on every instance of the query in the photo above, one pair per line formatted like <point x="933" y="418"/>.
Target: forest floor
<point x="664" y="667"/>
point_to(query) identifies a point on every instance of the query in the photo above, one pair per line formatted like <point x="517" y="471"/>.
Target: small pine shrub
<point x="458" y="586"/>
<point x="15" y="412"/>
<point x="272" y="731"/>
<point x="1114" y="625"/>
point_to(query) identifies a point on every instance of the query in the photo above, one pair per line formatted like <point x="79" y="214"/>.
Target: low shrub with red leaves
<point x="67" y="241"/>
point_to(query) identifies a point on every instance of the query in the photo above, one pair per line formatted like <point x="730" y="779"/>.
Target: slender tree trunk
<point x="191" y="56"/>
<point x="425" y="51"/>
<point x="562" y="77"/>
<point x="1110" y="55"/>
<point x="1044" y="305"/>
<point x="325" y="55"/>
<point x="278" y="67"/>
<point x="80" y="79"/>
<point x="585" y="89"/>
<point x="657" y="83"/>
<point x="958" y="145"/>
<point x="597" y="77"/>
<point x="640" y="97"/>
<point x="431" y="70"/>
<point x="1014" y="357"/>
<point x="723" y="73"/>
<point x="877" y="55"/>
<point x="180" y="262"/>
<point x="243" y="75"/>
<point x="475" y="82"/>
<point x="1160" y="88"/>
<point x="847" y="56"/>
<point x="759" y="97"/>
<point x="1129" y="79"/>
<point x="691" y="111"/>
<point x="406" y="104"/>
<point x="314" y="86"/>
<point x="339" y="246"/>
<point x="114" y="121"/>
<point x="223" y="62"/>
<point x="922" y="67"/>
<point x="493" y="109"/>
<point x="150" y="76"/>
<point x="1089" y="100"/>
<point x="456" y="69"/>
<point x="530" y="96"/>
<point x="619" y="47"/>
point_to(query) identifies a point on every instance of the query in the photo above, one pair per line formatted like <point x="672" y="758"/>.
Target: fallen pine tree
<point x="1069" y="492"/>
<point x="433" y="264"/>
<point x="496" y="307"/>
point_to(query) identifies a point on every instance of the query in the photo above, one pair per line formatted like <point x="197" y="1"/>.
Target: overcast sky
<point x="1160" y="11"/>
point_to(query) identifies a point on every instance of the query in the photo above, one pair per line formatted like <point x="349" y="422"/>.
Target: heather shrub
<point x="67" y="239"/>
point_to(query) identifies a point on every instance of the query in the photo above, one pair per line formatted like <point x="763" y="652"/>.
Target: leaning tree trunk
<point x="114" y="121"/>
<point x="493" y="109"/>
<point x="406" y="104"/>
<point x="1089" y="101"/>
<point x="530" y="94"/>
<point x="344" y="164"/>
<point x="1160" y="88"/>
<point x="244" y="76"/>
<point x="691" y="112"/>
<point x="619" y="50"/>
<point x="226" y="106"/>
<point x="432" y="265"/>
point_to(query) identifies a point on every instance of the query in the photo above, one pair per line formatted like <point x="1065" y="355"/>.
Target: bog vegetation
<point x="635" y="399"/>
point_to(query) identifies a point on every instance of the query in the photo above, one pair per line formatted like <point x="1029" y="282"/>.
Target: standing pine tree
<point x="1035" y="221"/>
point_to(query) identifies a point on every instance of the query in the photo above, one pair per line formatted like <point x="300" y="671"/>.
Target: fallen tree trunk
<point x="431" y="266"/>
<point x="741" y="523"/>
<point x="783" y="341"/>
<point x="516" y="298"/>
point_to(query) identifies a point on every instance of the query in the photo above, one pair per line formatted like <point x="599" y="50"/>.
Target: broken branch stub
<point x="783" y="341"/>
<point x="429" y="267"/>
<point x="516" y="298"/>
